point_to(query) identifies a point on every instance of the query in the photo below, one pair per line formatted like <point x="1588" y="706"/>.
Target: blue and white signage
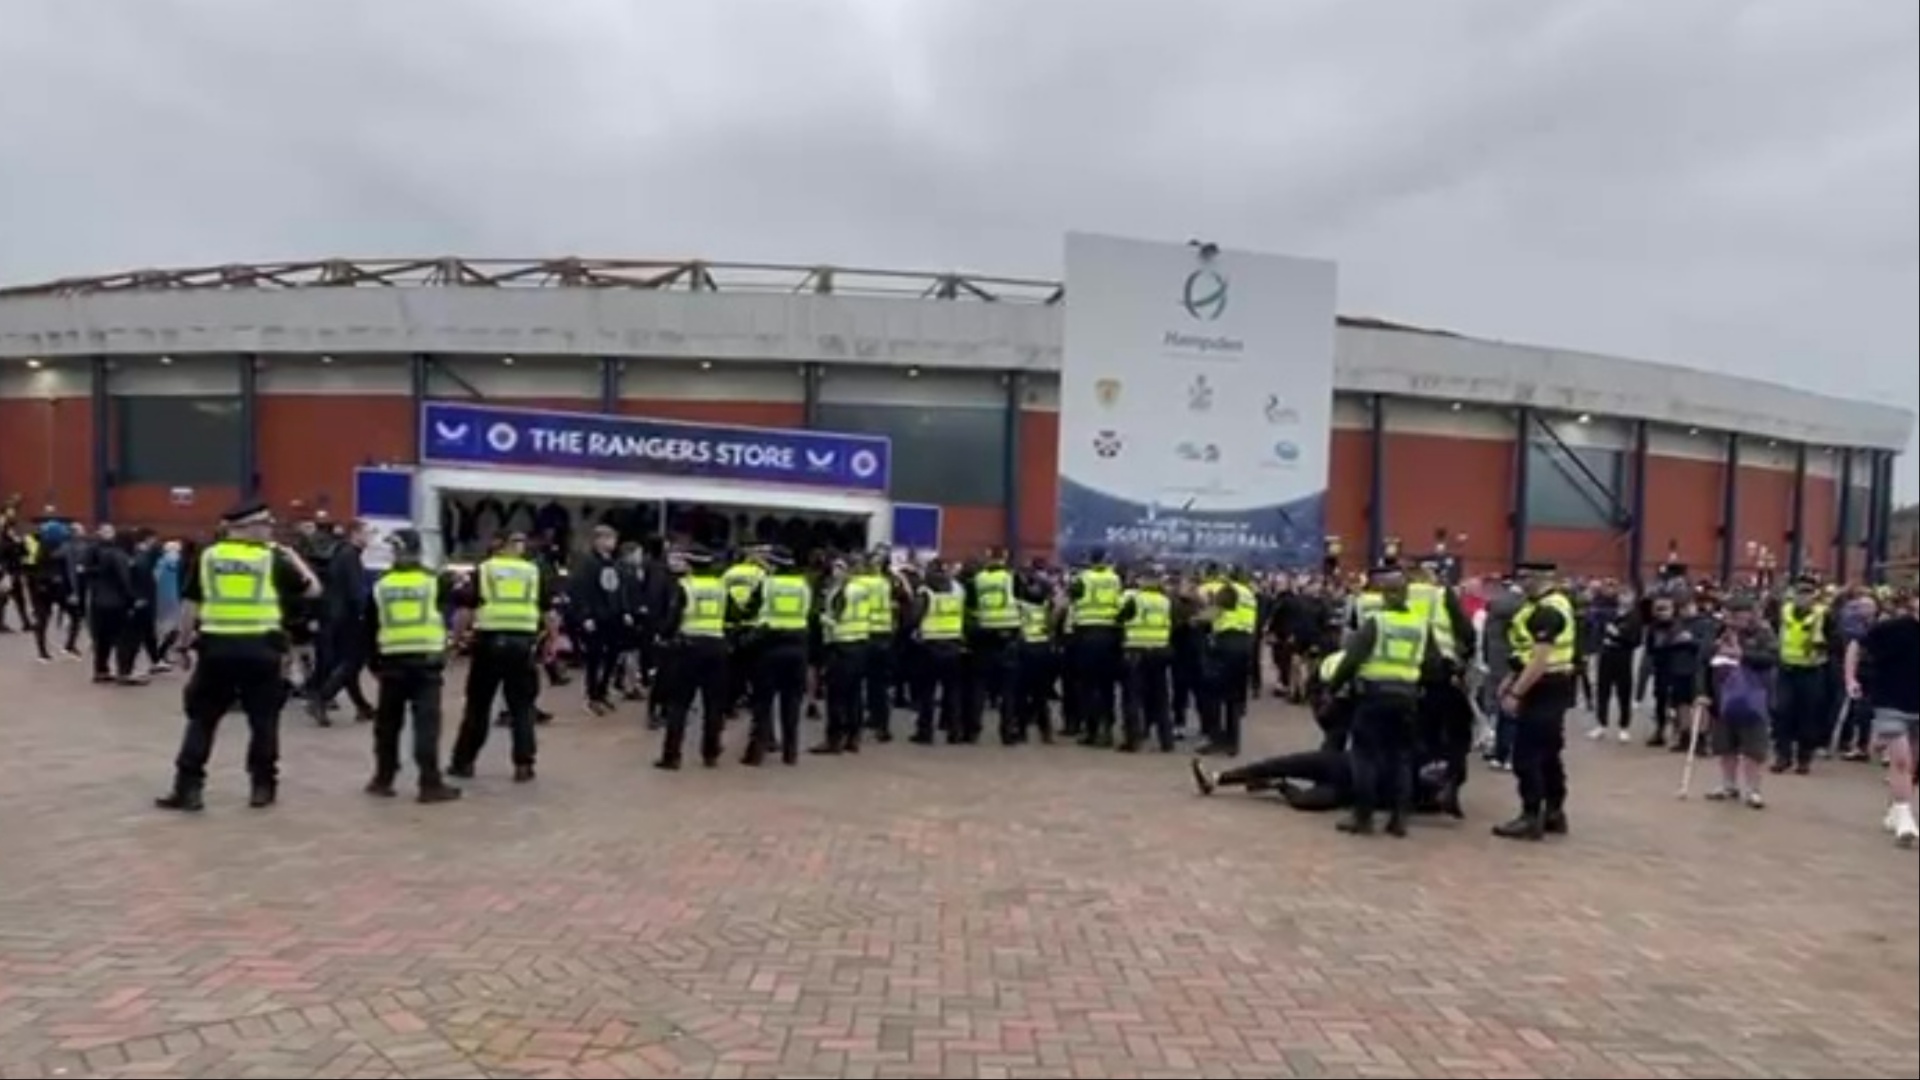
<point x="1196" y="403"/>
<point x="462" y="434"/>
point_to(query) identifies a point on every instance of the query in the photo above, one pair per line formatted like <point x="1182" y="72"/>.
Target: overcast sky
<point x="1727" y="184"/>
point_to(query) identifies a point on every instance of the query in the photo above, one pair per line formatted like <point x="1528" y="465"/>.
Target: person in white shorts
<point x="1883" y="668"/>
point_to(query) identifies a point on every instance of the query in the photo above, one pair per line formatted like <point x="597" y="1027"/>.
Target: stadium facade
<point x="156" y="397"/>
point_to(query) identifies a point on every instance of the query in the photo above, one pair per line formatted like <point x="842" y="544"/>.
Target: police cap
<point x="1535" y="567"/>
<point x="248" y="512"/>
<point x="777" y="555"/>
<point x="1806" y="581"/>
<point x="405" y="541"/>
<point x="695" y="555"/>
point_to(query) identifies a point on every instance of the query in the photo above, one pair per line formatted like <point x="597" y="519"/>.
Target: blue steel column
<point x="103" y="463"/>
<point x="421" y="373"/>
<point x="249" y="426"/>
<point x="1016" y="396"/>
<point x="1797" y="527"/>
<point x="1517" y="517"/>
<point x="1376" y="477"/>
<point x="609" y="385"/>
<point x="1843" y="539"/>
<point x="1730" y="507"/>
<point x="810" y="377"/>
<point x="1637" y="510"/>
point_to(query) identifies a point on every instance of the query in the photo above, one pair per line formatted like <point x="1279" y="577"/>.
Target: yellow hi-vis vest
<point x="705" y="613"/>
<point x="1560" y="661"/>
<point x="1099" y="603"/>
<point x="33" y="549"/>
<point x="993" y="597"/>
<point x="855" y="623"/>
<point x="785" y="602"/>
<point x="1152" y="623"/>
<point x="238" y="596"/>
<point x="1244" y="617"/>
<point x="1036" y="623"/>
<point x="1431" y="600"/>
<point x="741" y="579"/>
<point x="408" y="604"/>
<point x="879" y="602"/>
<point x="945" y="614"/>
<point x="1364" y="605"/>
<point x="1803" y="636"/>
<point x="1330" y="664"/>
<point x="1399" y="647"/>
<point x="509" y="596"/>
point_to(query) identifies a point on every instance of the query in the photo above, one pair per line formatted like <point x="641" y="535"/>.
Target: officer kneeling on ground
<point x="408" y="623"/>
<point x="230" y="619"/>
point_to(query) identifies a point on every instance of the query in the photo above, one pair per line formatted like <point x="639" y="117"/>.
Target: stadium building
<point x="157" y="397"/>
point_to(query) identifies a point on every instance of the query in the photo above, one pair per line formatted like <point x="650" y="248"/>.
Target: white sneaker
<point x="1906" y="831"/>
<point x="1892" y="821"/>
<point x="1597" y="733"/>
<point x="1625" y="736"/>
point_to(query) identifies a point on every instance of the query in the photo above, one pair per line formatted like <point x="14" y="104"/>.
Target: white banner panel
<point x="1196" y="402"/>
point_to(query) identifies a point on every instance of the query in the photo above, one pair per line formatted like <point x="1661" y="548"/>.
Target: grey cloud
<point x="1724" y="183"/>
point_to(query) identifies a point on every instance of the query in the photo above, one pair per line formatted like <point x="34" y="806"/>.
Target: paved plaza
<point x="945" y="912"/>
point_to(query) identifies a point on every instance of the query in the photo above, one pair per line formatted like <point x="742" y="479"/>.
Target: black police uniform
<point x="692" y="666"/>
<point x="506" y="663"/>
<point x="234" y="669"/>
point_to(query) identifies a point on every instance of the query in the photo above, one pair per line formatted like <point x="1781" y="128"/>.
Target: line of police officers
<point x="988" y="638"/>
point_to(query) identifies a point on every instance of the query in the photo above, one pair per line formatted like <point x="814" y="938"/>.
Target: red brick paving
<point x="956" y="912"/>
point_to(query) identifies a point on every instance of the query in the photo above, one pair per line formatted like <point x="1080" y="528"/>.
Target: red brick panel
<point x="1461" y="485"/>
<point x="971" y="530"/>
<point x="1820" y="522"/>
<point x="311" y="443"/>
<point x="1765" y="513"/>
<point x="1683" y="509"/>
<point x="772" y="414"/>
<point x="1348" y="471"/>
<point x="46" y="453"/>
<point x="1585" y="552"/>
<point x="154" y="506"/>
<point x="1039" y="475"/>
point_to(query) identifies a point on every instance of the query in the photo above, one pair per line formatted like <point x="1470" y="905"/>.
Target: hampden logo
<point x="1107" y="392"/>
<point x="1205" y="294"/>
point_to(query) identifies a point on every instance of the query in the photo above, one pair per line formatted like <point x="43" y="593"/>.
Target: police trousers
<point x="503" y="664"/>
<point x="694" y="668"/>
<point x="1143" y="701"/>
<point x="408" y="687"/>
<point x="846" y="675"/>
<point x="229" y="672"/>
<point x="1382" y="751"/>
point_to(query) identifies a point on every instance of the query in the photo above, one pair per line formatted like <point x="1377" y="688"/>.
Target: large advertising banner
<point x="1196" y="403"/>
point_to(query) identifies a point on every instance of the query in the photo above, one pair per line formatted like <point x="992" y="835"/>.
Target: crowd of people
<point x="1132" y="658"/>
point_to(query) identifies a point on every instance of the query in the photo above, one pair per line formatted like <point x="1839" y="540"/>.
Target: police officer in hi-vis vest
<point x="1537" y="695"/>
<point x="846" y="630"/>
<point x="1232" y="612"/>
<point x="1037" y="668"/>
<point x="693" y="657"/>
<point x="781" y="610"/>
<point x="408" y="622"/>
<point x="992" y="639"/>
<point x="508" y="606"/>
<point x="230" y="617"/>
<point x="1093" y="654"/>
<point x="1387" y="656"/>
<point x="876" y="578"/>
<point x="939" y="620"/>
<point x="1146" y="621"/>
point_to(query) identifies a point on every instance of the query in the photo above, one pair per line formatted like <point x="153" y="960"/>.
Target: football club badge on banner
<point x="1107" y="392"/>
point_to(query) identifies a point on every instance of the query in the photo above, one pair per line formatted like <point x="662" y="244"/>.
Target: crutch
<point x="1693" y="753"/>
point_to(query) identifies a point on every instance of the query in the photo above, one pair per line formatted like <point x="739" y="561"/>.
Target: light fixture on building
<point x="913" y="373"/>
<point x="1586" y="418"/>
<point x="1693" y="431"/>
<point x="166" y="360"/>
<point x="35" y="363"/>
<point x="507" y="360"/>
<point x="326" y="359"/>
<point x="1773" y="443"/>
<point x="706" y="365"/>
<point x="1457" y="406"/>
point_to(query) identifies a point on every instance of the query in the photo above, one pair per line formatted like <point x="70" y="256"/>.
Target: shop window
<point x="183" y="441"/>
<point x="1561" y="494"/>
<point x="945" y="456"/>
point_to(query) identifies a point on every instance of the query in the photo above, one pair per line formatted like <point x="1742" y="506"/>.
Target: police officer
<point x="875" y="578"/>
<point x="409" y="622"/>
<point x="1146" y="620"/>
<point x="1445" y="726"/>
<point x="1035" y="669"/>
<point x="992" y="643"/>
<point x="1233" y="611"/>
<point x="846" y="630"/>
<point x="940" y="613"/>
<point x="230" y="614"/>
<point x="1387" y="655"/>
<point x="1801" y="717"/>
<point x="781" y="608"/>
<point x="1537" y="695"/>
<point x="742" y="580"/>
<point x="693" y="659"/>
<point x="1094" y="653"/>
<point x="509" y="607"/>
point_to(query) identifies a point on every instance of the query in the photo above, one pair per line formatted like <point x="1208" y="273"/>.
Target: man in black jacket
<point x="601" y="590"/>
<point x="343" y="614"/>
<point x="110" y="603"/>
